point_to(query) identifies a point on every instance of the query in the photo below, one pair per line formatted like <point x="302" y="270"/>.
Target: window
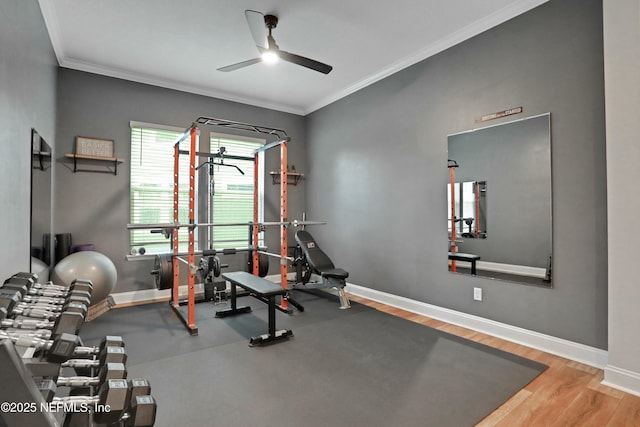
<point x="231" y="185"/>
<point x="227" y="185"/>
<point x="151" y="184"/>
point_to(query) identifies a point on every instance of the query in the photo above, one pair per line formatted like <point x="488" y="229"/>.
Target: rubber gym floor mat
<point x="357" y="367"/>
<point x="154" y="331"/>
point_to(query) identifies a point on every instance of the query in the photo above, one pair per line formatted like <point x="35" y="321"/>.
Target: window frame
<point x="153" y="246"/>
<point x="203" y="237"/>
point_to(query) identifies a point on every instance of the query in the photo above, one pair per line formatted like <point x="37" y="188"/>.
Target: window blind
<point x="151" y="185"/>
<point x="233" y="191"/>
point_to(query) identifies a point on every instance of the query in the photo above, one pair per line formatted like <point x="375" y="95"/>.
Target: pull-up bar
<point x="211" y="121"/>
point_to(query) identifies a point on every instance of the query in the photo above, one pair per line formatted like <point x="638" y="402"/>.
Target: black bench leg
<point x="473" y="267"/>
<point x="234" y="305"/>
<point x="273" y="335"/>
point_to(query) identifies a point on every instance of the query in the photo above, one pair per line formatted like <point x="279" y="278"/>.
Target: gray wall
<point x="377" y="169"/>
<point x="27" y="100"/>
<point x="94" y="207"/>
<point x="515" y="160"/>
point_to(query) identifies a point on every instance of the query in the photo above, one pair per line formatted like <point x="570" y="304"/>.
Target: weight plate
<point x="263" y="264"/>
<point x="215" y="267"/>
<point x="163" y="271"/>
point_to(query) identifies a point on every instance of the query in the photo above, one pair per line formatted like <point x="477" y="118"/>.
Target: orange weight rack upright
<point x="192" y="132"/>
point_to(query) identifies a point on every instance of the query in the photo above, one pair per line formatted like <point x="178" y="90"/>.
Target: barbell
<point x="163" y="266"/>
<point x="171" y="225"/>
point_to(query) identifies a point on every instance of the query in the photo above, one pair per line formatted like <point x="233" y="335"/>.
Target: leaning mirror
<point x="499" y="201"/>
<point x="40" y="204"/>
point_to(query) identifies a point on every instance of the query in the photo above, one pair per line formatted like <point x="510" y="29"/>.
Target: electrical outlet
<point x="477" y="294"/>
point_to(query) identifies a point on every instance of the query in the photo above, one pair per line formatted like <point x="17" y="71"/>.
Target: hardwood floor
<point x="567" y="394"/>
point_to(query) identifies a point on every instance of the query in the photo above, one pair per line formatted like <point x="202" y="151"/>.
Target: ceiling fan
<point x="269" y="50"/>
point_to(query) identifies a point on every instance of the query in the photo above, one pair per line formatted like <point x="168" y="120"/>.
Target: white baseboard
<point x="144" y="296"/>
<point x="520" y="270"/>
<point x="570" y="350"/>
<point x="622" y="379"/>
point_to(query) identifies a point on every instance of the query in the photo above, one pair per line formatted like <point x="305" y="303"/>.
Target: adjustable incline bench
<point x="265" y="291"/>
<point x="321" y="264"/>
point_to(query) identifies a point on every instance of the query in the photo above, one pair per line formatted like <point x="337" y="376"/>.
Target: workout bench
<point x="262" y="289"/>
<point x="458" y="256"/>
<point x="321" y="264"/>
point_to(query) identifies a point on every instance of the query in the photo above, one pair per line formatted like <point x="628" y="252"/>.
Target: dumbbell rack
<point x="29" y="362"/>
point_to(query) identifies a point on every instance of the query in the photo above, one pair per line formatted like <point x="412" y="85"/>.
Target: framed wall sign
<point x="95" y="147"/>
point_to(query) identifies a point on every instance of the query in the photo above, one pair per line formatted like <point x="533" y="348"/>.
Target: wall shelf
<point x="42" y="156"/>
<point x="109" y="161"/>
<point x="292" y="177"/>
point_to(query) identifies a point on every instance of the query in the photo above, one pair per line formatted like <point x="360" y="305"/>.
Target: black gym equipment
<point x="108" y="371"/>
<point x="471" y="258"/>
<point x="30" y="280"/>
<point x="10" y="297"/>
<point x="109" y="354"/>
<point x="107" y="341"/>
<point x="66" y="322"/>
<point x="34" y="348"/>
<point x="142" y="412"/>
<point x="24" y="290"/>
<point x="315" y="261"/>
<point x="108" y="405"/>
<point x="210" y="265"/>
<point x="261" y="289"/>
<point x="58" y="349"/>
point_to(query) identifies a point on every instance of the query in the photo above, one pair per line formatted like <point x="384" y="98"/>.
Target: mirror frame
<point x="516" y="166"/>
<point x="41" y="199"/>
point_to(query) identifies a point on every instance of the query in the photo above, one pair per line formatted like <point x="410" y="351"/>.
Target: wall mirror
<point x="40" y="202"/>
<point x="499" y="201"/>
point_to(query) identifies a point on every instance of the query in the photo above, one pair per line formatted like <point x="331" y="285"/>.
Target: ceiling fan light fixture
<point x="261" y="26"/>
<point x="270" y="56"/>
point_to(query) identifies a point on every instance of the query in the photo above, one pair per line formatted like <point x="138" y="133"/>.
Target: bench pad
<point x="338" y="273"/>
<point x="460" y="256"/>
<point x="255" y="284"/>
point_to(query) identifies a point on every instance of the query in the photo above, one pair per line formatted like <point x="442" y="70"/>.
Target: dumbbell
<point x="141" y="407"/>
<point x="31" y="280"/>
<point x="66" y="322"/>
<point x="44" y="334"/>
<point x="10" y="305"/>
<point x="107" y="341"/>
<point x="113" y="394"/>
<point x="108" y="354"/>
<point x="26" y="289"/>
<point x="11" y="299"/>
<point x="77" y="284"/>
<point x="142" y="412"/>
<point x="30" y="294"/>
<point x="58" y="349"/>
<point x="11" y="302"/>
<point x="108" y="371"/>
<point x="27" y="275"/>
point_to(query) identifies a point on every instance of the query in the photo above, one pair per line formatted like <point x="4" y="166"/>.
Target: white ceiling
<point x="179" y="44"/>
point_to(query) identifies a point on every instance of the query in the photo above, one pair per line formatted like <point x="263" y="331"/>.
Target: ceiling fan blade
<point x="239" y="65"/>
<point x="305" y="62"/>
<point x="257" y="28"/>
